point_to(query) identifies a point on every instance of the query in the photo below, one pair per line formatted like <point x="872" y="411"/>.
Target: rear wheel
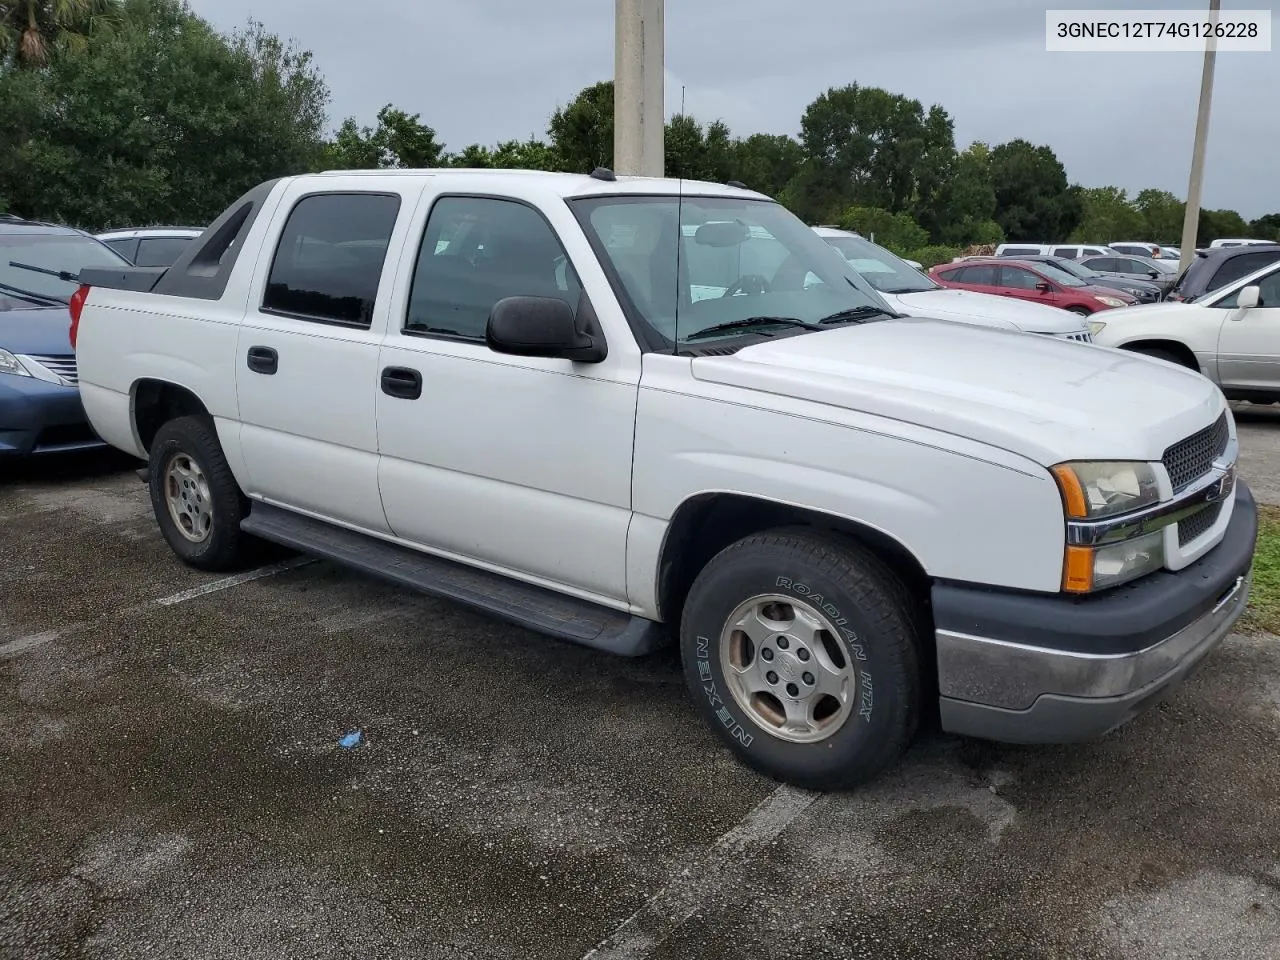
<point x="800" y="650"/>
<point x="196" y="500"/>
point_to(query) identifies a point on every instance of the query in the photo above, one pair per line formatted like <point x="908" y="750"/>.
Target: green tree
<point x="1266" y="227"/>
<point x="970" y="200"/>
<point x="528" y="154"/>
<point x="1215" y="224"/>
<point x="1163" y="214"/>
<point x="895" y="231"/>
<point x="161" y="119"/>
<point x="870" y="147"/>
<point x="1107" y="216"/>
<point x="31" y="29"/>
<point x="399" y="140"/>
<point x="767" y="162"/>
<point x="1034" y="202"/>
<point x="697" y="154"/>
<point x="581" y="132"/>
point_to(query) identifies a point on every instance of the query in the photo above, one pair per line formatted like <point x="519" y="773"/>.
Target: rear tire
<point x="799" y="649"/>
<point x="196" y="499"/>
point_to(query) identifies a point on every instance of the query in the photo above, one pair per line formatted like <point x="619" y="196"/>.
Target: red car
<point x="1037" y="282"/>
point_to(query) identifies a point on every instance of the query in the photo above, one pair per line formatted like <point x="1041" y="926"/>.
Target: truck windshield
<point x="688" y="264"/>
<point x="58" y="252"/>
<point x="880" y="268"/>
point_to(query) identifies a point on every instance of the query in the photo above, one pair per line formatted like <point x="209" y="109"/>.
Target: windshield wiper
<point x="857" y="315"/>
<point x="66" y="275"/>
<point x="753" y="322"/>
<point x="902" y="290"/>
<point x="45" y="298"/>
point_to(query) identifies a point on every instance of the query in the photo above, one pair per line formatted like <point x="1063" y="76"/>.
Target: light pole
<point x="1191" y="219"/>
<point x="638" y="109"/>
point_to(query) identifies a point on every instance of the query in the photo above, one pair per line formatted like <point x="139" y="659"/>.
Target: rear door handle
<point x="263" y="360"/>
<point x="402" y="382"/>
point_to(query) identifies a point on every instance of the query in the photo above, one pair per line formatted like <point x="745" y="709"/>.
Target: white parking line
<point x="235" y="581"/>
<point x="642" y="932"/>
<point x="30" y="642"/>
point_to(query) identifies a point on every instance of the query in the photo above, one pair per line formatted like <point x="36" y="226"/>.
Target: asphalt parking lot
<point x="173" y="785"/>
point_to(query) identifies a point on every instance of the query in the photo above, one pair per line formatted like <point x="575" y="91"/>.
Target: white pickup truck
<point x="616" y="409"/>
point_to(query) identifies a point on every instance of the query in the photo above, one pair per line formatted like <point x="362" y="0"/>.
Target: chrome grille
<point x="1198" y="524"/>
<point x="1189" y="459"/>
<point x="1081" y="337"/>
<point x="64" y="366"/>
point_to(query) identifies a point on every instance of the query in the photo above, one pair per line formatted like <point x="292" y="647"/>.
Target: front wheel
<point x="799" y="649"/>
<point x="1159" y="354"/>
<point x="1080" y="311"/>
<point x="196" y="499"/>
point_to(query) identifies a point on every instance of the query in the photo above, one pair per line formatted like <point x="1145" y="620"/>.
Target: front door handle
<point x="402" y="382"/>
<point x="263" y="360"/>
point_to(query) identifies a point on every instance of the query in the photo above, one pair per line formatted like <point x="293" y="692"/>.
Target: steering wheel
<point x="751" y="284"/>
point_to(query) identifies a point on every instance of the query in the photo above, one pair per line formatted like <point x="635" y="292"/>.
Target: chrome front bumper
<point x="1097" y="665"/>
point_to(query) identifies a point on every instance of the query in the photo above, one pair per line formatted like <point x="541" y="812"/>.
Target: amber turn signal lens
<point x="1072" y="492"/>
<point x="1077" y="570"/>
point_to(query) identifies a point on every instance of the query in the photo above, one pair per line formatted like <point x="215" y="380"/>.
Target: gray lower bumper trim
<point x="1022" y="694"/>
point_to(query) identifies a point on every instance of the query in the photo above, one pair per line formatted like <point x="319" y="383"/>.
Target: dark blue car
<point x="40" y="409"/>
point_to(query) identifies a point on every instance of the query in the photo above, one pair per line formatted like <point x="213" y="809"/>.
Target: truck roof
<point x="564" y="184"/>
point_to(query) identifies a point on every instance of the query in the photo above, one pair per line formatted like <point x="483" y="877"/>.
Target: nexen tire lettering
<point x="731" y="724"/>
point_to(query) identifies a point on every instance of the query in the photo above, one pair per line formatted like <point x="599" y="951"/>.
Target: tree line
<point x="129" y="112"/>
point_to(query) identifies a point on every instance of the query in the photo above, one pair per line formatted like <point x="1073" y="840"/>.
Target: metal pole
<point x="1191" y="219"/>
<point x="638" y="109"/>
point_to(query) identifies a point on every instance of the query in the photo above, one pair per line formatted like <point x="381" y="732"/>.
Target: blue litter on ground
<point x="352" y="739"/>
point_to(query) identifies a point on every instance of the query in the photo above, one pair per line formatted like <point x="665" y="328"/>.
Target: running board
<point x="535" y="608"/>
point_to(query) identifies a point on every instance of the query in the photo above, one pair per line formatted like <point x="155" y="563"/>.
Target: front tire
<point x="196" y="499"/>
<point x="1080" y="311"/>
<point x="800" y="650"/>
<point x="1159" y="354"/>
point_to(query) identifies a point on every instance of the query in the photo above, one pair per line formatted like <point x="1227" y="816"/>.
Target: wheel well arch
<point x="706" y="523"/>
<point x="155" y="402"/>
<point x="1175" y="347"/>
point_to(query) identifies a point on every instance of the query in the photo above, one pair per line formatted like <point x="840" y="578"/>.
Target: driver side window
<point x="479" y="250"/>
<point x="1268" y="294"/>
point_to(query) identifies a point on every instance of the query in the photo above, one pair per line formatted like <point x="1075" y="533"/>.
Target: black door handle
<point x="263" y="360"/>
<point x="402" y="382"/>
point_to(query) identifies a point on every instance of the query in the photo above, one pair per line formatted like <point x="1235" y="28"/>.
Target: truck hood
<point x="1043" y="398"/>
<point x="969" y="306"/>
<point x="44" y="331"/>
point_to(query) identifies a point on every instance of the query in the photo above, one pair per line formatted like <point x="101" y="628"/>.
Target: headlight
<point x="1099" y="490"/>
<point x="1110" y="301"/>
<point x="11" y="364"/>
<point x="1097" y="326"/>
<point x="1140" y="294"/>
<point x="1089" y="569"/>
<point x="1094" y="489"/>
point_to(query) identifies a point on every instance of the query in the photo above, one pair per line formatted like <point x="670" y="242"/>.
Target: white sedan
<point x="1231" y="335"/>
<point x="915" y="294"/>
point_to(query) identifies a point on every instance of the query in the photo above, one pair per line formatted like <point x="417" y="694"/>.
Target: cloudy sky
<point x="480" y="71"/>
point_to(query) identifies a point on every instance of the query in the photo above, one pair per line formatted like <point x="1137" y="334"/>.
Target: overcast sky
<point x="480" y="71"/>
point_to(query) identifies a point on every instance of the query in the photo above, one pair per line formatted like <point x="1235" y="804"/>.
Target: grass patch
<point x="1264" y="600"/>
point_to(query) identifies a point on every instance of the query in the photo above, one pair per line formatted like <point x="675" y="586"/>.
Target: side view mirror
<point x="541" y="327"/>
<point x="1044" y="286"/>
<point x="1249" y="298"/>
<point x="1154" y="274"/>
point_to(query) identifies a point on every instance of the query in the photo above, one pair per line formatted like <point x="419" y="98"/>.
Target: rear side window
<point x="1068" y="252"/>
<point x="160" y="251"/>
<point x="1240" y="266"/>
<point x="983" y="275"/>
<point x="479" y="250"/>
<point x="126" y="248"/>
<point x="329" y="259"/>
<point x="1020" y="251"/>
<point x="1102" y="264"/>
